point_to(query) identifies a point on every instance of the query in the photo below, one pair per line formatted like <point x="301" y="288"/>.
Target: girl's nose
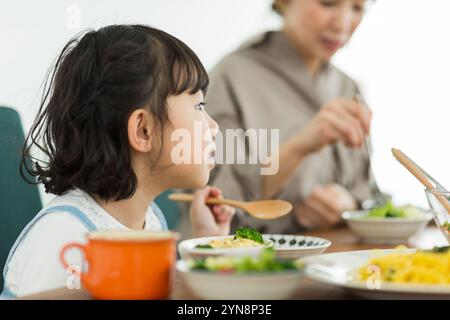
<point x="213" y="126"/>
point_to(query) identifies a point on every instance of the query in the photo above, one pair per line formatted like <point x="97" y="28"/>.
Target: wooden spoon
<point x="416" y="172"/>
<point x="263" y="209"/>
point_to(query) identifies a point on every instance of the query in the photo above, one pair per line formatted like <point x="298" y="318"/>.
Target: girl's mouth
<point x="211" y="155"/>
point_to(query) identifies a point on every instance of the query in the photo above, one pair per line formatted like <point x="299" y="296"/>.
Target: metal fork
<point x="380" y="198"/>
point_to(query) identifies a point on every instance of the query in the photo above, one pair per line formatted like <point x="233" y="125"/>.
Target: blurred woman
<point x="284" y="80"/>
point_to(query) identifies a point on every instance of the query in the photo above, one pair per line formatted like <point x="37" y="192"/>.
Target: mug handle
<point x="72" y="245"/>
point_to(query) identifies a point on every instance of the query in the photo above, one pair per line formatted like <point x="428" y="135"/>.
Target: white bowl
<point x="288" y="246"/>
<point x="234" y="286"/>
<point x="385" y="230"/>
<point x="187" y="248"/>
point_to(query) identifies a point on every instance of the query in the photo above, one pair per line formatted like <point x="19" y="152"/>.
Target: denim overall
<point x="75" y="212"/>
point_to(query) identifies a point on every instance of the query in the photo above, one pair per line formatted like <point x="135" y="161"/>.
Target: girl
<point x="114" y="99"/>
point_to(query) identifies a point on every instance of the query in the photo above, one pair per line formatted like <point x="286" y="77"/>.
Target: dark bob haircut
<point x="97" y="81"/>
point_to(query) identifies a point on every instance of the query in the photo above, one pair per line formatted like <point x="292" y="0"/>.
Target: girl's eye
<point x="200" y="106"/>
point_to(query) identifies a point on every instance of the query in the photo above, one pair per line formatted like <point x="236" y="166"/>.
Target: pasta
<point x="421" y="267"/>
<point x="233" y="243"/>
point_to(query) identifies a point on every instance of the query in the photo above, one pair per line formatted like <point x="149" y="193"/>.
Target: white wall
<point x="399" y="55"/>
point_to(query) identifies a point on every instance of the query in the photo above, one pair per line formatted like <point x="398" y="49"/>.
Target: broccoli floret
<point x="249" y="233"/>
<point x="198" y="264"/>
<point x="441" y="249"/>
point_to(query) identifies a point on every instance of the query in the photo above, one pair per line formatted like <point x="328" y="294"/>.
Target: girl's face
<point x="321" y="27"/>
<point x="189" y="148"/>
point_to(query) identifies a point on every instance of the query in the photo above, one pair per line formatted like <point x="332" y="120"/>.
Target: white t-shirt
<point x="35" y="265"/>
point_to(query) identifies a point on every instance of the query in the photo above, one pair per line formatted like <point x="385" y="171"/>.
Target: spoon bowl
<point x="267" y="209"/>
<point x="262" y="209"/>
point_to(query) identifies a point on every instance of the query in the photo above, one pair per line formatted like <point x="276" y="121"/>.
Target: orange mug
<point x="127" y="264"/>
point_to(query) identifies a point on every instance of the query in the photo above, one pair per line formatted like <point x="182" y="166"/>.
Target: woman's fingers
<point x="339" y="129"/>
<point x="348" y="120"/>
<point x="330" y="217"/>
<point x="359" y="111"/>
<point x="326" y="197"/>
<point x="324" y="206"/>
<point x="306" y="217"/>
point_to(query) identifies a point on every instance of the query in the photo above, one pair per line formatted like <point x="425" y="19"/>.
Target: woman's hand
<point x="323" y="207"/>
<point x="210" y="220"/>
<point x="340" y="120"/>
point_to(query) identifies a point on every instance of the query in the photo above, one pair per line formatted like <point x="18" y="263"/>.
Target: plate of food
<point x="385" y="274"/>
<point x="245" y="242"/>
<point x="238" y="278"/>
<point x="387" y="224"/>
<point x="289" y="246"/>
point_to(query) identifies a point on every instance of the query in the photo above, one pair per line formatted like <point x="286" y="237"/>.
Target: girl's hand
<point x="210" y="220"/>
<point x="340" y="120"/>
<point x="322" y="209"/>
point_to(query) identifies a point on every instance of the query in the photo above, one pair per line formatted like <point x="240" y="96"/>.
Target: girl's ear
<point x="140" y="128"/>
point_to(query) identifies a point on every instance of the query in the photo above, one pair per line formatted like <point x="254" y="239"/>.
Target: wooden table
<point x="342" y="240"/>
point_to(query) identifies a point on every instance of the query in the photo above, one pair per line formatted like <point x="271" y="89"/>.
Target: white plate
<point x="233" y="286"/>
<point x="187" y="248"/>
<point x="339" y="269"/>
<point x="297" y="246"/>
<point x="385" y="230"/>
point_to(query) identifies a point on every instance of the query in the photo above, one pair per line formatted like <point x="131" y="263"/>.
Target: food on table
<point x="390" y="211"/>
<point x="248" y="233"/>
<point x="232" y="243"/>
<point x="243" y="237"/>
<point x="421" y="267"/>
<point x="265" y="262"/>
<point x="446" y="226"/>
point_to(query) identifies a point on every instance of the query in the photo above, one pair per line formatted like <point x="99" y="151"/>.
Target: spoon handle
<point x="412" y="168"/>
<point x="436" y="183"/>
<point x="187" y="197"/>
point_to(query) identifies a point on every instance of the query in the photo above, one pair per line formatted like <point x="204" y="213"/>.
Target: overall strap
<point x="160" y="216"/>
<point x="72" y="210"/>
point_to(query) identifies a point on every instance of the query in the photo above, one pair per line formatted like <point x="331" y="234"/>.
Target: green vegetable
<point x="446" y="225"/>
<point x="439" y="249"/>
<point x="264" y="263"/>
<point x="391" y="211"/>
<point x="249" y="233"/>
<point x="203" y="246"/>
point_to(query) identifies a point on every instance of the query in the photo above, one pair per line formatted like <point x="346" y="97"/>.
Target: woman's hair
<point x="98" y="80"/>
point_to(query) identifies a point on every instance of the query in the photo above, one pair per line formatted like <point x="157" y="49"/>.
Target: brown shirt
<point x="265" y="84"/>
